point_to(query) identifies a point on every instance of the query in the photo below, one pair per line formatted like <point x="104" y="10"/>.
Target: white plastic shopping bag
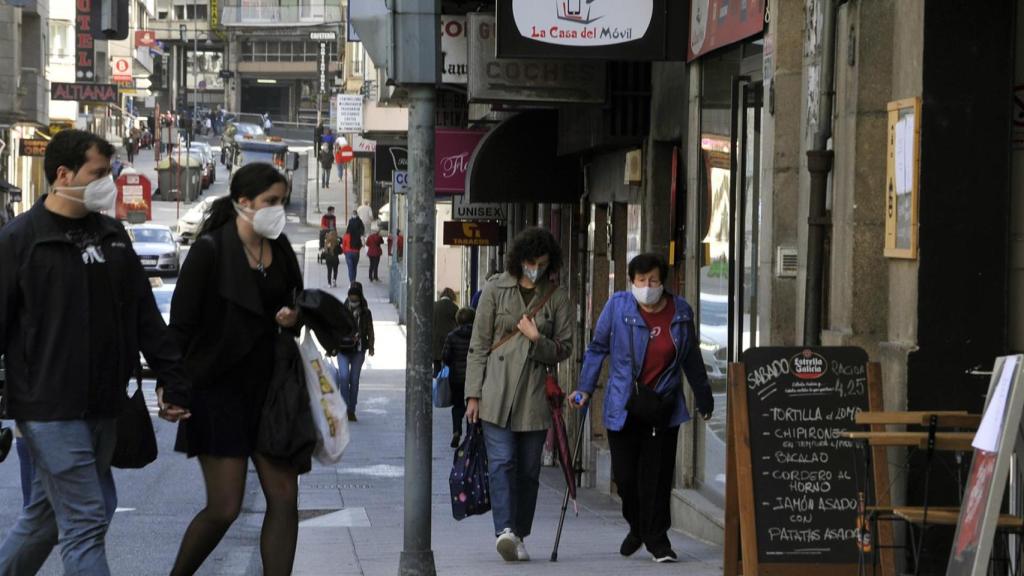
<point x="329" y="410"/>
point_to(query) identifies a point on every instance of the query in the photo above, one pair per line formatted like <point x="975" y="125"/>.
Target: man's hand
<point x="579" y="399"/>
<point x="473" y="410"/>
<point x="529" y="328"/>
<point x="287" y="317"/>
<point x="170" y="412"/>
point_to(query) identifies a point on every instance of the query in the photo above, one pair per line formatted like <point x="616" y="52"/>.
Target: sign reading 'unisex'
<point x="799" y="402"/>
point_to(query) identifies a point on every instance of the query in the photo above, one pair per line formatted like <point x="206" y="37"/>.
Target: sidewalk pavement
<point x="352" y="515"/>
<point x="332" y="195"/>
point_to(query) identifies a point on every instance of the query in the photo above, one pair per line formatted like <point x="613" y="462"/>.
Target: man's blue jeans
<point x="352" y="260"/>
<point x="350" y="368"/>
<point x="513" y="463"/>
<point x="69" y="504"/>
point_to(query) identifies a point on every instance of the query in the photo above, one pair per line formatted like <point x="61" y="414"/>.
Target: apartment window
<point x="191" y="12"/>
<point x="62" y="40"/>
<point x="285" y="51"/>
<point x="162" y="14"/>
<point x="358" y="59"/>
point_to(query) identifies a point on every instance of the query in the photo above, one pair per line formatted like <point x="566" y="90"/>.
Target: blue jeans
<point x="513" y="463"/>
<point x="341" y="172"/>
<point x="350" y="367"/>
<point x="352" y="260"/>
<point x="28" y="475"/>
<point x="68" y="503"/>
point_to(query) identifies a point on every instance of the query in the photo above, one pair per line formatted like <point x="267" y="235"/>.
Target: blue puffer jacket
<point x="612" y="336"/>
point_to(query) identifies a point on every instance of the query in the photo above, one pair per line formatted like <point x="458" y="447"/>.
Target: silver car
<point x="157" y="248"/>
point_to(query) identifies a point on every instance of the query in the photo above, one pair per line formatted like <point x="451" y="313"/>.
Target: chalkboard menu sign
<point x="798" y="402"/>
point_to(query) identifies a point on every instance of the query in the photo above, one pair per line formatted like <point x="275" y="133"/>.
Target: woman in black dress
<point x="234" y="293"/>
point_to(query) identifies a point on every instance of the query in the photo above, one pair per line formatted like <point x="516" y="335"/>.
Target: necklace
<point x="259" y="261"/>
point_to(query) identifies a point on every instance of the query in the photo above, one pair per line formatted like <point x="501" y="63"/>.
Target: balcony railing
<point x="241" y="13"/>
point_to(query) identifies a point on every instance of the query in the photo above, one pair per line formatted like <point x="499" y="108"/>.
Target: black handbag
<point x="287" y="431"/>
<point x="136" y="438"/>
<point x="644" y="404"/>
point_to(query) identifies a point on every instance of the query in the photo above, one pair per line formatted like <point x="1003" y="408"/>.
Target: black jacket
<point x="456" y="350"/>
<point x="444" y="322"/>
<point x="44" y="315"/>
<point x="366" y="336"/>
<point x="217" y="316"/>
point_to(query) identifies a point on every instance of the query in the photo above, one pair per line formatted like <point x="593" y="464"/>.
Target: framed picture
<point x="902" y="180"/>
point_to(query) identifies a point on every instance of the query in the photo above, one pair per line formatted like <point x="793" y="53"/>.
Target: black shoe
<point x="665" y="554"/>
<point x="630" y="545"/>
<point x="456" y="440"/>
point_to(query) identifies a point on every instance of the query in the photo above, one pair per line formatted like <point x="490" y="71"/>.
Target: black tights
<point x="225" y="488"/>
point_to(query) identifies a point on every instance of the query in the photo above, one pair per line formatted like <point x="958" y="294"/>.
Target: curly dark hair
<point x="531" y="244"/>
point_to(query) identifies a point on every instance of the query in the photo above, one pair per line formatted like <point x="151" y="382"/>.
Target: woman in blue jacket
<point x="650" y="337"/>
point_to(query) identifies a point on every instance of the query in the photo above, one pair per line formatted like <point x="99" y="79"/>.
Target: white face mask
<point x="534" y="273"/>
<point x="267" y="222"/>
<point x="99" y="194"/>
<point x="648" y="295"/>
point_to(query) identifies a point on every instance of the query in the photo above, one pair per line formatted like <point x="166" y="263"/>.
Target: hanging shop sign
<point x="512" y="80"/>
<point x="32" y="147"/>
<point x="121" y="69"/>
<point x="473" y="233"/>
<point x="85" y="67"/>
<point x="105" y="93"/>
<point x="462" y="209"/>
<point x="453" y="149"/>
<point x="718" y="23"/>
<point x="454" y="50"/>
<point x="145" y="38"/>
<point x="633" y="30"/>
<point x="387" y="159"/>
<point x="362" y="145"/>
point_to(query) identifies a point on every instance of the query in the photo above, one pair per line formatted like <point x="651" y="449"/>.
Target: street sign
<point x="347" y="154"/>
<point x="400" y="181"/>
<point x="323" y="70"/>
<point x="350" y="113"/>
<point x="323" y="36"/>
<point x="465" y="210"/>
<point x="226" y="74"/>
<point x="121" y="67"/>
<point x="473" y="233"/>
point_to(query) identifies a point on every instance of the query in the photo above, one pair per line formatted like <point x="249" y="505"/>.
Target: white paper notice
<point x="987" y="437"/>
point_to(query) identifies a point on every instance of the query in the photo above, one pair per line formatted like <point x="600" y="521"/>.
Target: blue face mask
<point x="534" y="273"/>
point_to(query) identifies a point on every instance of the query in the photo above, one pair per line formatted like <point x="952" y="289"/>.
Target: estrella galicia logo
<point x="809" y="365"/>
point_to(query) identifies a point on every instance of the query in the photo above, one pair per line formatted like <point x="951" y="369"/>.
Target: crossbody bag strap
<point x="533" y="313"/>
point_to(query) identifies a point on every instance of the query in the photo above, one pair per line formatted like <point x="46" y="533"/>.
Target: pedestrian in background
<point x="326" y="162"/>
<point x="350" y="362"/>
<point x="531" y="319"/>
<point x="351" y="256"/>
<point x="454" y="354"/>
<point x="233" y="297"/>
<point x="356" y="228"/>
<point x="649" y="335"/>
<point x="374" y="252"/>
<point x="339" y="160"/>
<point x="332" y="257"/>
<point x="445" y="310"/>
<point x="75" y="310"/>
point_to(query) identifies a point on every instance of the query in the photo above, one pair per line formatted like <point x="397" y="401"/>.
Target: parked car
<point x="210" y="176"/>
<point x="713" y="311"/>
<point x="189" y="224"/>
<point x="157" y="248"/>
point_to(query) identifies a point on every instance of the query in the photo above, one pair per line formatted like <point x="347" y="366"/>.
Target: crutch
<point x="576" y="468"/>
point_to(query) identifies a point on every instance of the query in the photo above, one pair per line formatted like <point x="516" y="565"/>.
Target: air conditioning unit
<point x="634" y="167"/>
<point x="787" y="264"/>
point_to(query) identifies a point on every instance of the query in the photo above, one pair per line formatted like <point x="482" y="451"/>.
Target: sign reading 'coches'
<point x="799" y="402"/>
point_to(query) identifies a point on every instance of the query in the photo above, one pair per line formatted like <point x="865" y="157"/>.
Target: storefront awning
<point x="517" y="163"/>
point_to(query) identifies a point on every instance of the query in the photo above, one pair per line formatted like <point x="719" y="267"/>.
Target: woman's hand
<point x="473" y="410"/>
<point x="170" y="412"/>
<point x="579" y="399"/>
<point x="287" y="317"/>
<point x="529" y="328"/>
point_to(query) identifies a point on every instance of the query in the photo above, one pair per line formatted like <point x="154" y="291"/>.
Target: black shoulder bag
<point x="647" y="406"/>
<point x="136" y="439"/>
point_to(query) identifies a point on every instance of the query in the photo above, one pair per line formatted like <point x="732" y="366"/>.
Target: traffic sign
<point x="347" y="154"/>
<point x="323" y="36"/>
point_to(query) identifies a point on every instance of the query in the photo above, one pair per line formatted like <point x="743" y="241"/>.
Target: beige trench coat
<point x="510" y="381"/>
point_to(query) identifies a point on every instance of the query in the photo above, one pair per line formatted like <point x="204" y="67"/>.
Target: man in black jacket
<point x="75" y="310"/>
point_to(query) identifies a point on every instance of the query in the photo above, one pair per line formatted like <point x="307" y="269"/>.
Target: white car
<point x="713" y="311"/>
<point x="157" y="248"/>
<point x="189" y="224"/>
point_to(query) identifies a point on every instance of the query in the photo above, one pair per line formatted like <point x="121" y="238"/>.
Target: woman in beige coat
<point x="523" y="329"/>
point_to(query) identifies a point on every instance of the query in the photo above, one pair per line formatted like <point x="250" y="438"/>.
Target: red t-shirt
<point x="661" y="350"/>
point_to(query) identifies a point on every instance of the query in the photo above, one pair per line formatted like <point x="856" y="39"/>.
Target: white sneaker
<point x="521" y="554"/>
<point x="507" y="545"/>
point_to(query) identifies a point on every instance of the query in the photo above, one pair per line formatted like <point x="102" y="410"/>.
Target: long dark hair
<point x="531" y="244"/>
<point x="249" y="182"/>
